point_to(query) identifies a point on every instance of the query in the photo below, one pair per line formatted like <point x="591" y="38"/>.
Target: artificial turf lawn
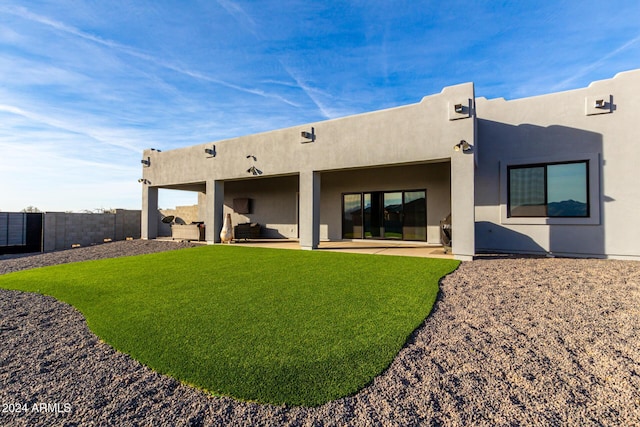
<point x="268" y="325"/>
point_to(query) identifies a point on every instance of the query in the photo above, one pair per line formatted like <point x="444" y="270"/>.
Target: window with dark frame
<point x="557" y="190"/>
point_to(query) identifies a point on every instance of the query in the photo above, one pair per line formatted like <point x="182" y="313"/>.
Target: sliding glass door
<point x="392" y="215"/>
<point x="395" y="215"/>
<point x="372" y="216"/>
<point x="414" y="226"/>
<point x="352" y="216"/>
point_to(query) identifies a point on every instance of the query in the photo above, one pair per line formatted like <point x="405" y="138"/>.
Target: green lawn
<point x="268" y="325"/>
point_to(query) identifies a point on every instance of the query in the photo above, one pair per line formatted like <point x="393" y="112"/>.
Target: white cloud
<point x="229" y="6"/>
<point x="240" y="15"/>
<point x="86" y="86"/>
<point x="103" y="136"/>
<point x="24" y="13"/>
<point x="594" y="65"/>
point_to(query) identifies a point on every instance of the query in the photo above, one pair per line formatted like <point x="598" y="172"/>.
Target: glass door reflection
<point x="352" y="216"/>
<point x="392" y="215"/>
<point x="414" y="225"/>
<point x="395" y="215"/>
<point x="372" y="216"/>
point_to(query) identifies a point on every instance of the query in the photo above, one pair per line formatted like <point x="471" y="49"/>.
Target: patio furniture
<point x="445" y="233"/>
<point x="193" y="231"/>
<point x="249" y="230"/>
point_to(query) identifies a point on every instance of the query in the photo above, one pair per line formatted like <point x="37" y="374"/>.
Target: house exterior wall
<point x="418" y="133"/>
<point x="408" y="134"/>
<point x="297" y="187"/>
<point x="563" y="127"/>
<point x="274" y="204"/>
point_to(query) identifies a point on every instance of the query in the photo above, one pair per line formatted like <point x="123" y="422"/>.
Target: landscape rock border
<point x="514" y="341"/>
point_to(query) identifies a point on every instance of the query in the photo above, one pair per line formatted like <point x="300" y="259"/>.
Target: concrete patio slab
<point x="364" y="247"/>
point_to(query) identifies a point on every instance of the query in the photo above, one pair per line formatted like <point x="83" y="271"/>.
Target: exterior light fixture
<point x="146" y="162"/>
<point x="211" y="151"/>
<point x="459" y="109"/>
<point x="311" y="136"/>
<point x="600" y="103"/>
<point x="462" y="145"/>
<point x="254" y="171"/>
<point x="144" y="181"/>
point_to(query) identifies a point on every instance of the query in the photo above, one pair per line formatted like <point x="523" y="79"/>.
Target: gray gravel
<point x="511" y="342"/>
<point x="10" y="263"/>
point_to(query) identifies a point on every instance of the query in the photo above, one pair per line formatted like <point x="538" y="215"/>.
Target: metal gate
<point x="20" y="232"/>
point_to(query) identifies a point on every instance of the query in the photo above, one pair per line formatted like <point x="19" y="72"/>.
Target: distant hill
<point x="567" y="208"/>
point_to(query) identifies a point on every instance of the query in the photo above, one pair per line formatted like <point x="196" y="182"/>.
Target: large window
<point x="549" y="190"/>
<point x="385" y="215"/>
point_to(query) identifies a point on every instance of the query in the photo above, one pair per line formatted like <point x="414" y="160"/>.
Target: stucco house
<point x="552" y="174"/>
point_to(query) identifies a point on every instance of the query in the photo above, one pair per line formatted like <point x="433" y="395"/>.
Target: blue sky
<point x="85" y="86"/>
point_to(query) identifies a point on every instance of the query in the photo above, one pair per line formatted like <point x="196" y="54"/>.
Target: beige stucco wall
<point x="274" y="204"/>
<point x="410" y="147"/>
<point x="560" y="127"/>
<point x="408" y="134"/>
<point x="412" y="134"/>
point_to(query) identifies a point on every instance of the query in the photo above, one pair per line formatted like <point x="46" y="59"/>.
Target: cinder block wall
<point x="127" y="224"/>
<point x="63" y="230"/>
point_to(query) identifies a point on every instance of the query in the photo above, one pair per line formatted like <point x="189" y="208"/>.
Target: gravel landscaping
<point x="511" y="341"/>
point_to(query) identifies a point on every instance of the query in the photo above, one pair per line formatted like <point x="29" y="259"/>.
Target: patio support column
<point x="309" y="225"/>
<point x="202" y="205"/>
<point x="149" y="220"/>
<point x="463" y="206"/>
<point x="214" y="210"/>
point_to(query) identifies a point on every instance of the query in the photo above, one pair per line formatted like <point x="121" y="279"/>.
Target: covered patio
<point x="376" y="247"/>
<point x="392" y="174"/>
